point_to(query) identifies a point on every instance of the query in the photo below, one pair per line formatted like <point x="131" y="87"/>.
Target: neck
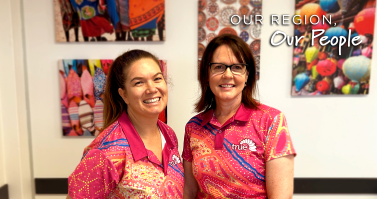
<point x="146" y="127"/>
<point x="227" y="109"/>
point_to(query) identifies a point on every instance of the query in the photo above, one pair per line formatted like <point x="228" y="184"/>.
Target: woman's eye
<point x="137" y="83"/>
<point x="158" y="78"/>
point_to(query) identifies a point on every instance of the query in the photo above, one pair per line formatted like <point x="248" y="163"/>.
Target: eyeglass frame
<point x="230" y="67"/>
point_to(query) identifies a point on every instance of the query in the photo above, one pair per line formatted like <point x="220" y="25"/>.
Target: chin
<point x="154" y="112"/>
<point x="226" y="98"/>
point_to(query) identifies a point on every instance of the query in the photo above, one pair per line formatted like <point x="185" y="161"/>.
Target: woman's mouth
<point x="227" y="85"/>
<point x="152" y="100"/>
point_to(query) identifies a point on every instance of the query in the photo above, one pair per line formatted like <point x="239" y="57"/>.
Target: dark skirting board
<point x="301" y="186"/>
<point x="51" y="185"/>
<point x="4" y="194"/>
<point x="335" y="186"/>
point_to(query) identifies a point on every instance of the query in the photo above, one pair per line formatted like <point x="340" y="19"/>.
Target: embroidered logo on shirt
<point x="244" y="145"/>
<point x="175" y="160"/>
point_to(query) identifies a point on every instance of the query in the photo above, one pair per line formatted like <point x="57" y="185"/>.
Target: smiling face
<point x="145" y="93"/>
<point x="226" y="87"/>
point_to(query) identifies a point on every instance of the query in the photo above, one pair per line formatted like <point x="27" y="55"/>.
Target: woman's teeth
<point x="152" y="100"/>
<point x="226" y="86"/>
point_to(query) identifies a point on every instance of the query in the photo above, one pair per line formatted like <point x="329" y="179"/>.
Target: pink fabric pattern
<point x="73" y="85"/>
<point x="117" y="165"/>
<point x="63" y="90"/>
<point x="87" y="87"/>
<point x="106" y="63"/>
<point x="229" y="160"/>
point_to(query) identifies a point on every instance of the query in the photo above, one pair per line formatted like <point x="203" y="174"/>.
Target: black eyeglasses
<point x="219" y="68"/>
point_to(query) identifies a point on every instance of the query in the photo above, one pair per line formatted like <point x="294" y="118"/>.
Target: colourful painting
<point x="327" y="67"/>
<point x="109" y="20"/>
<point x="82" y="85"/>
<point x="214" y="19"/>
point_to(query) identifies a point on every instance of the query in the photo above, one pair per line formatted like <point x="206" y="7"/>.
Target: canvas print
<point x="109" y="20"/>
<point x="333" y="69"/>
<point x="82" y="86"/>
<point x="214" y="19"/>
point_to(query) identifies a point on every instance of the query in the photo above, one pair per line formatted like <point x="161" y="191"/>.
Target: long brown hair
<point x="243" y="54"/>
<point x="114" y="105"/>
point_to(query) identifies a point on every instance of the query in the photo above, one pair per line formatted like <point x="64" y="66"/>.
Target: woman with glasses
<point x="235" y="147"/>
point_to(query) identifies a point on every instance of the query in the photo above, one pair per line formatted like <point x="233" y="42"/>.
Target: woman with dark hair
<point x="136" y="155"/>
<point x="235" y="147"/>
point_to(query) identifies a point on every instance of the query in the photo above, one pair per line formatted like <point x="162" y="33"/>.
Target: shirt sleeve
<point x="278" y="140"/>
<point x="187" y="153"/>
<point x="94" y="177"/>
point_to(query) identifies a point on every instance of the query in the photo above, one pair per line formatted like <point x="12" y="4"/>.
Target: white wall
<point x="3" y="179"/>
<point x="5" y="40"/>
<point x="15" y="165"/>
<point x="334" y="136"/>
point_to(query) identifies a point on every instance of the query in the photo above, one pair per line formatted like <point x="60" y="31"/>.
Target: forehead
<point x="143" y="67"/>
<point x="224" y="54"/>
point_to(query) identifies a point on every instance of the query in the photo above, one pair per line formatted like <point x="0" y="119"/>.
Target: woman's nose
<point x="151" y="87"/>
<point x="228" y="73"/>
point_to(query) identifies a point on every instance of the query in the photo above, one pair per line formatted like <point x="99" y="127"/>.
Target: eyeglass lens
<point x="238" y="69"/>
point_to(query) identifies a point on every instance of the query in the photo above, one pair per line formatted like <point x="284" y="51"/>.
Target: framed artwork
<point x="109" y="20"/>
<point x="331" y="69"/>
<point x="214" y="19"/>
<point x="82" y="86"/>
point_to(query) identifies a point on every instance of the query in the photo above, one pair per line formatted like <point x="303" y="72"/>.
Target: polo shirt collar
<point x="135" y="142"/>
<point x="243" y="114"/>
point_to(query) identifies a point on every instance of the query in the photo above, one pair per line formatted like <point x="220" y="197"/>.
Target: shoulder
<point x="264" y="116"/>
<point x="110" y="139"/>
<point x="265" y="112"/>
<point x="196" y="120"/>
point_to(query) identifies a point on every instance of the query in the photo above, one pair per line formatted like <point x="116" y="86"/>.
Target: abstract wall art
<point x="82" y="86"/>
<point x="321" y="66"/>
<point x="109" y="20"/>
<point x="214" y="19"/>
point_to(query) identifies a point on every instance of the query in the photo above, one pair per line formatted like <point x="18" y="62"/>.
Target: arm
<point x="191" y="186"/>
<point x="68" y="197"/>
<point x="95" y="176"/>
<point x="279" y="177"/>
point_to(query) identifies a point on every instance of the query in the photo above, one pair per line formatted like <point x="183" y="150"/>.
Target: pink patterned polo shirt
<point x="117" y="165"/>
<point x="229" y="160"/>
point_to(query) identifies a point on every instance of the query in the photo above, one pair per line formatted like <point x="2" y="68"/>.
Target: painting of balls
<point x="82" y="87"/>
<point x="110" y="20"/>
<point x="332" y="69"/>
